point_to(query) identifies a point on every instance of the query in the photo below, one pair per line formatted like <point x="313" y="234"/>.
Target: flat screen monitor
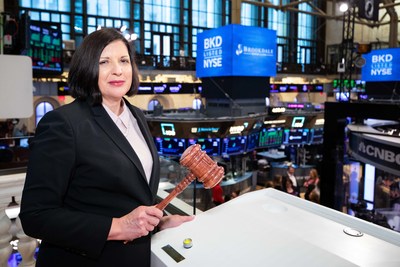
<point x="234" y="145"/>
<point x="296" y="136"/>
<point x="270" y="137"/>
<point x="343" y="96"/>
<point x="317" y="135"/>
<point x="212" y="146"/>
<point x="24" y="142"/>
<point x="252" y="141"/>
<point x="45" y="48"/>
<point x="170" y="146"/>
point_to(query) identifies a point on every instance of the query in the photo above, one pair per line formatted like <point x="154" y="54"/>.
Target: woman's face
<point x="115" y="72"/>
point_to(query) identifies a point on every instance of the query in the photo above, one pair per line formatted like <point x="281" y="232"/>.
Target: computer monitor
<point x="234" y="145"/>
<point x="170" y="146"/>
<point x="270" y="137"/>
<point x="252" y="141"/>
<point x="212" y="146"/>
<point x="294" y="136"/>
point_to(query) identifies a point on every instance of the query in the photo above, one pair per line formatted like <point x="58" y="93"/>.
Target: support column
<point x="236" y="10"/>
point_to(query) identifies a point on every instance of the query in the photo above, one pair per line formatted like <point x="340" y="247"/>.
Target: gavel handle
<point x="177" y="190"/>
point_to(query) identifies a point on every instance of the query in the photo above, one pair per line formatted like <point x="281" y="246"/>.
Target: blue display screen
<point x="317" y="135"/>
<point x="234" y="145"/>
<point x="252" y="141"/>
<point x="296" y="136"/>
<point x="270" y="137"/>
<point x="381" y="65"/>
<point x="45" y="49"/>
<point x="236" y="50"/>
<point x="211" y="146"/>
<point x="170" y="146"/>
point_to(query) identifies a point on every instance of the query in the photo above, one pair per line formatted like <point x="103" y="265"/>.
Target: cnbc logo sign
<point x="383" y="154"/>
<point x="212" y="54"/>
<point x="379" y="153"/>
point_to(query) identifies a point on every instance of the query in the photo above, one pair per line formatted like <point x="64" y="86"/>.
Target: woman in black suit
<point x="93" y="172"/>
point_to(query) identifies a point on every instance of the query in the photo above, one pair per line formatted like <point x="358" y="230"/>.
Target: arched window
<point x="196" y="103"/>
<point x="154" y="102"/>
<point x="41" y="109"/>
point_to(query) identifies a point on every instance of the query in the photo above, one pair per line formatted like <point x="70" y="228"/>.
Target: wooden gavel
<point x="201" y="166"/>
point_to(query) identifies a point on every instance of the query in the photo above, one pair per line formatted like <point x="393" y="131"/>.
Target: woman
<point x="311" y="185"/>
<point x="290" y="189"/>
<point x="93" y="172"/>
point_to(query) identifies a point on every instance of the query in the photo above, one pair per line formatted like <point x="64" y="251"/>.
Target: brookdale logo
<point x="254" y="51"/>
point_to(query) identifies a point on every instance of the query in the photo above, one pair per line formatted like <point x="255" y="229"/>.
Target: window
<point x="154" y="102"/>
<point x="197" y="103"/>
<point x="207" y="13"/>
<point x="106" y="8"/>
<point x="279" y="20"/>
<point x="306" y="30"/>
<point x="41" y="109"/>
<point x="250" y="15"/>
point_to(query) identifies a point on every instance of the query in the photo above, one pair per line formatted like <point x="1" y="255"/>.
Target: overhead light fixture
<point x="123" y="28"/>
<point x="343" y="7"/>
<point x="134" y="36"/>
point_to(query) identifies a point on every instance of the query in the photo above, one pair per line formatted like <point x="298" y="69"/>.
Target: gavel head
<point x="202" y="166"/>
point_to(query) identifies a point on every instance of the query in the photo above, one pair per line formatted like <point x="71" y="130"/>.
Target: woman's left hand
<point x="171" y="221"/>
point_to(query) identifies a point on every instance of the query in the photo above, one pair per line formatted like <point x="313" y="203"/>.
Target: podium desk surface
<point x="272" y="228"/>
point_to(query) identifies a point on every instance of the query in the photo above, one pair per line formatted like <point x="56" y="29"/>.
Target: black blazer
<point x="82" y="172"/>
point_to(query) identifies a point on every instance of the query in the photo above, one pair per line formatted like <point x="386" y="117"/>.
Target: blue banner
<point x="381" y="65"/>
<point x="236" y="50"/>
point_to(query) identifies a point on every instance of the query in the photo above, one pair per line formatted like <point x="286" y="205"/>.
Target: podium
<point x="272" y="228"/>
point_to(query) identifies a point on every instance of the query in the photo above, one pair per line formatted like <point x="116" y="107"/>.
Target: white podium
<point x="272" y="228"/>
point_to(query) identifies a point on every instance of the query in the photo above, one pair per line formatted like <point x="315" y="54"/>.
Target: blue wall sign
<point x="236" y="50"/>
<point x="382" y="65"/>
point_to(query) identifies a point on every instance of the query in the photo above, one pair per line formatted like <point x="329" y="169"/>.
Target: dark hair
<point x="84" y="69"/>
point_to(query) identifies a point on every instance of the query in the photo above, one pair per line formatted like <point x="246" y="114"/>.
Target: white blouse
<point x="129" y="127"/>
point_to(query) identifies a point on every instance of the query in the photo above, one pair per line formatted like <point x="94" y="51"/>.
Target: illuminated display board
<point x="298" y="122"/>
<point x="212" y="146"/>
<point x="317" y="135"/>
<point x="270" y="137"/>
<point x="45" y="41"/>
<point x="381" y="65"/>
<point x="168" y="129"/>
<point x="296" y="136"/>
<point x="296" y="88"/>
<point x="170" y="146"/>
<point x="169" y="88"/>
<point x="234" y="145"/>
<point x="252" y="141"/>
<point x="350" y="85"/>
<point x="236" y="50"/>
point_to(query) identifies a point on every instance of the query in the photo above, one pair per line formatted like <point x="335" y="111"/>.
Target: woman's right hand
<point x="139" y="222"/>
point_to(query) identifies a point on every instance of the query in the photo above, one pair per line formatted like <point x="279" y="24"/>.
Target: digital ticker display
<point x="270" y="137"/>
<point x="45" y="48"/>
